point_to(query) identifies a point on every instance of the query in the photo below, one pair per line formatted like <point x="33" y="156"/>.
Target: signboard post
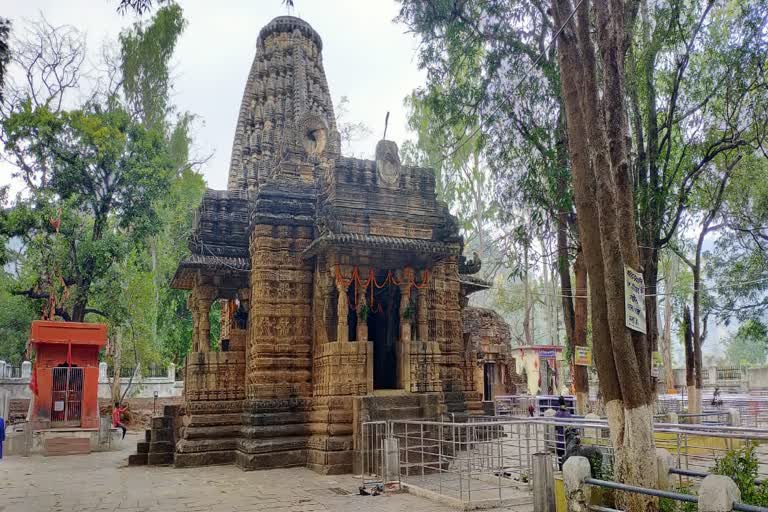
<point x="583" y="356"/>
<point x="634" y="300"/>
<point x="656" y="365"/>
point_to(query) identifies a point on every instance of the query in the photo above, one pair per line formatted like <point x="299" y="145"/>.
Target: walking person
<point x="116" y="412"/>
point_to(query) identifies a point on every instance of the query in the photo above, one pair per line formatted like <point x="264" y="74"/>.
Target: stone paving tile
<point x="103" y="482"/>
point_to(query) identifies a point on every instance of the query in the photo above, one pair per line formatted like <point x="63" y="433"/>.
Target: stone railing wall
<point x="215" y="376"/>
<point x="737" y="379"/>
<point x="140" y="387"/>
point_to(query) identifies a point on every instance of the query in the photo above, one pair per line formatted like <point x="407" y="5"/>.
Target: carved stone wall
<point x="214" y="376"/>
<point x="342" y="368"/>
<point x="280" y="319"/>
<point x="424" y="364"/>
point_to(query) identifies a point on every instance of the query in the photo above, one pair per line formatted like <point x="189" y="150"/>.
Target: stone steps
<point x="159" y="444"/>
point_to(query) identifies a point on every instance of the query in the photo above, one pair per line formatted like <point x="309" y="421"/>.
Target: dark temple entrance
<point x="384" y="331"/>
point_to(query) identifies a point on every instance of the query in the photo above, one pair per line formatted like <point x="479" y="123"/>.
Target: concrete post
<point x="26" y="370"/>
<point x="543" y="483"/>
<point x="577" y="493"/>
<point x="391" y="460"/>
<point x="103" y="372"/>
<point x="674" y="418"/>
<point x="718" y="493"/>
<point x="712" y="377"/>
<point x="5" y="403"/>
<point x="171" y="372"/>
<point x="550" y="429"/>
<point x="664" y="462"/>
<point x="734" y="417"/>
<point x="2" y="369"/>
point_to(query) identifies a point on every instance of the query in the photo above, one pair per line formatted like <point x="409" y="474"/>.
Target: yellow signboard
<point x="634" y="300"/>
<point x="583" y="356"/>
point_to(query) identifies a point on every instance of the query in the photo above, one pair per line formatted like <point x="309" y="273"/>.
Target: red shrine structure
<point x="65" y="377"/>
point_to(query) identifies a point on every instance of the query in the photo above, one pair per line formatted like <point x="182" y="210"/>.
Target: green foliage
<point x="146" y="51"/>
<point x="670" y="505"/>
<point x="749" y="345"/>
<point x="100" y="174"/>
<point x="5" y="51"/>
<point x="16" y="314"/>
<point x="111" y="205"/>
<point x="742" y="466"/>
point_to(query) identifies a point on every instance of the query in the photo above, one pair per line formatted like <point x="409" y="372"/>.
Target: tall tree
<point x="5" y="51"/>
<point x="597" y="133"/>
<point x="480" y="56"/>
<point x="105" y="170"/>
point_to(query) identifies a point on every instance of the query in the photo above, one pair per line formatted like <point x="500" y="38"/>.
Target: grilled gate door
<point x="67" y="397"/>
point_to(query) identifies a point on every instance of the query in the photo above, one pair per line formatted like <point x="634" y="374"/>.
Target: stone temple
<point x="341" y="282"/>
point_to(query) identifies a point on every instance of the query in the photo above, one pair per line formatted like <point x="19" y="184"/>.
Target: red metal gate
<point x="67" y="397"/>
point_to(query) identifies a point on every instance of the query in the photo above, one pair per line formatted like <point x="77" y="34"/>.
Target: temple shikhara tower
<point x="341" y="282"/>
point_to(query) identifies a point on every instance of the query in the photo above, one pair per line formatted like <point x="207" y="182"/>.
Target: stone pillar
<point x="712" y="376"/>
<point x="342" y="328"/>
<point x="192" y="306"/>
<point x="171" y="372"/>
<point x="423" y="314"/>
<point x="205" y="297"/>
<point x="405" y="302"/>
<point x="3" y="365"/>
<point x="103" y="372"/>
<point x="26" y="370"/>
<point x="577" y="493"/>
<point x="718" y="493"/>
<point x="362" y="325"/>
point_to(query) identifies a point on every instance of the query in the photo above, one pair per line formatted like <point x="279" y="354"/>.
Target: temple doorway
<point x="384" y="331"/>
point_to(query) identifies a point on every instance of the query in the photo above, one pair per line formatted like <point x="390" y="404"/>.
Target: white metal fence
<point x="488" y="460"/>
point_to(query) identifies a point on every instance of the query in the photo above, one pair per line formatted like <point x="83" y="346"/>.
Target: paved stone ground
<point x="104" y="482"/>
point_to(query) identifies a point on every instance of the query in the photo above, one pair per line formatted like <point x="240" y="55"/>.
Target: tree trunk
<point x="690" y="364"/>
<point x="117" y="356"/>
<point x="694" y="406"/>
<point x="580" y="373"/>
<point x="604" y="206"/>
<point x="666" y="340"/>
<point x="527" y="328"/>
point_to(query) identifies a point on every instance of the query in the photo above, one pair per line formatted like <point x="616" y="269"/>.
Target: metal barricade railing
<point x="488" y="460"/>
<point x="671" y="495"/>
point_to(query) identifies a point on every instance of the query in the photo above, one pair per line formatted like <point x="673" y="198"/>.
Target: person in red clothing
<point x="116" y="412"/>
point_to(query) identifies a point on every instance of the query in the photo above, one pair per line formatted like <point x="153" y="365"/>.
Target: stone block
<point x="162" y="422"/>
<point x="161" y="447"/>
<point x="162" y="434"/>
<point x="137" y="459"/>
<point x="271" y="460"/>
<point x="208" y="458"/>
<point x="718" y="493"/>
<point x="142" y="447"/>
<point x="160" y="459"/>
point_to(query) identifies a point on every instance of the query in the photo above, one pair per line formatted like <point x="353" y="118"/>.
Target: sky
<point x="366" y="56"/>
